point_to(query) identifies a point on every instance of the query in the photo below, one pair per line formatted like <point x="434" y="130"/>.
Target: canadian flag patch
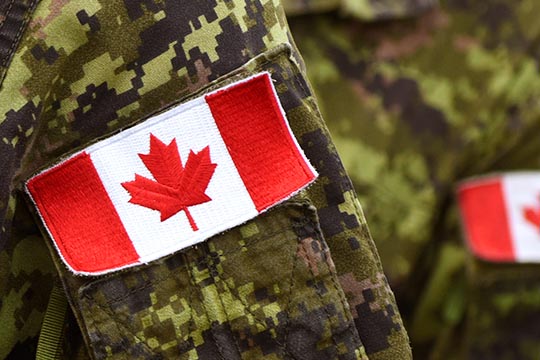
<point x="501" y="216"/>
<point x="173" y="180"/>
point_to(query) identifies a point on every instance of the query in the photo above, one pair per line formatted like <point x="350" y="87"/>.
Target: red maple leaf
<point x="175" y="187"/>
<point x="532" y="215"/>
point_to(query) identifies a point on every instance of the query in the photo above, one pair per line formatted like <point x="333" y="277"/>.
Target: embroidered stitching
<point x="176" y="187"/>
<point x="7" y="16"/>
<point x="15" y="40"/>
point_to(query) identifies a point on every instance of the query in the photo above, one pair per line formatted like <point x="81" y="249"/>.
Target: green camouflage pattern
<point x="27" y="275"/>
<point x="14" y="16"/>
<point x="303" y="281"/>
<point x="227" y="299"/>
<point x="415" y="106"/>
<point x="365" y="10"/>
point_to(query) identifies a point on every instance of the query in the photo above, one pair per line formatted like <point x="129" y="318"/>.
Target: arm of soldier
<point x="108" y="72"/>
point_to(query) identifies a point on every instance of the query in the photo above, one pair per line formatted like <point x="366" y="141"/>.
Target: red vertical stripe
<point x="256" y="134"/>
<point x="486" y="221"/>
<point x="81" y="217"/>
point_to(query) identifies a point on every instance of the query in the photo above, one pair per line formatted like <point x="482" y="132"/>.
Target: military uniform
<point x="301" y="281"/>
<point x="418" y="102"/>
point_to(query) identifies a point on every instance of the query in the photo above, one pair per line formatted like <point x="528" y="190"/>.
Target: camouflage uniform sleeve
<point x="83" y="70"/>
<point x="414" y="107"/>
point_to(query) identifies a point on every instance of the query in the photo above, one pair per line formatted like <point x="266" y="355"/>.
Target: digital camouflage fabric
<point x="416" y="105"/>
<point x="302" y="281"/>
<point x="366" y="10"/>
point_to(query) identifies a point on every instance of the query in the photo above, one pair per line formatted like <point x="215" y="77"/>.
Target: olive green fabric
<point x="14" y="16"/>
<point x="196" y="304"/>
<point x="52" y="328"/>
<point x="415" y="106"/>
<point x="302" y="281"/>
<point x="365" y="10"/>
